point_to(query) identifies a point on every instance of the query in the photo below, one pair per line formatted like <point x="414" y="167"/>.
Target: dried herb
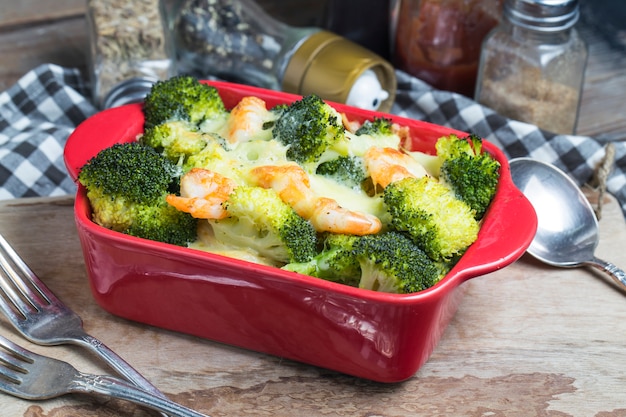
<point x="128" y="40"/>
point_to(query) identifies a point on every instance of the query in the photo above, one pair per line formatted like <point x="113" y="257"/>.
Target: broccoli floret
<point x="346" y="170"/>
<point x="335" y="261"/>
<point x="177" y="140"/>
<point x="386" y="262"/>
<point x="312" y="129"/>
<point x="470" y="172"/>
<point x="260" y="220"/>
<point x="183" y="98"/>
<point x="379" y="126"/>
<point x="429" y="212"/>
<point x="377" y="132"/>
<point x="392" y="262"/>
<point x="126" y="186"/>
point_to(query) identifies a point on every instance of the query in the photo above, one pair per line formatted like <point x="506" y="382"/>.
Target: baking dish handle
<point x="508" y="231"/>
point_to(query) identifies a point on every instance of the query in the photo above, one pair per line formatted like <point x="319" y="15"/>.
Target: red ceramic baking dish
<point x="373" y="335"/>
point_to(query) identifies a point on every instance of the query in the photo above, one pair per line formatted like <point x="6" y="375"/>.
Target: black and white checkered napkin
<point x="37" y="115"/>
<point x="39" y="112"/>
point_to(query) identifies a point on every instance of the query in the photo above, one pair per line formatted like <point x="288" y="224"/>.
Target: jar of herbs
<point x="532" y="66"/>
<point x="130" y="49"/>
<point x="439" y="41"/>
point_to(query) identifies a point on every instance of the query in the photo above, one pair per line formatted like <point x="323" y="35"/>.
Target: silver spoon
<point x="567" y="230"/>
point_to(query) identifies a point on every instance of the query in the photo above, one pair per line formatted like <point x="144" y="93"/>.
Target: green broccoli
<point x="127" y="185"/>
<point x="386" y="262"/>
<point x="471" y="173"/>
<point x="184" y="98"/>
<point x="312" y="129"/>
<point x="429" y="212"/>
<point x="347" y="170"/>
<point x="334" y="262"/>
<point x="377" y="132"/>
<point x="378" y="126"/>
<point x="392" y="262"/>
<point x="260" y="220"/>
<point x="177" y="140"/>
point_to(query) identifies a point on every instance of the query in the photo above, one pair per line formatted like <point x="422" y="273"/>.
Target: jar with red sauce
<point x="439" y="41"/>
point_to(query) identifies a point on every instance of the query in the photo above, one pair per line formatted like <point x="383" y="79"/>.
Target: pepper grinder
<point x="236" y="40"/>
<point x="532" y="65"/>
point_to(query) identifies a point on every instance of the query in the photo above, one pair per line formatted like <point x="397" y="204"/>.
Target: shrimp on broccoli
<point x="248" y="119"/>
<point x="325" y="214"/>
<point x="202" y="194"/>
<point x="387" y="165"/>
<point x="242" y="216"/>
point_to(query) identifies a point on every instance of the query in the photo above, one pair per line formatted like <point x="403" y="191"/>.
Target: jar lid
<point x="542" y="15"/>
<point x="330" y="66"/>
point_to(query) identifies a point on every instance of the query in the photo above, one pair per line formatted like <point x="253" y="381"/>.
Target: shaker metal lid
<point x="329" y="65"/>
<point x="542" y="15"/>
<point x="132" y="90"/>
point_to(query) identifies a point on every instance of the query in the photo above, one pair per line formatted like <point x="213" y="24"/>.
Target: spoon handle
<point x="618" y="275"/>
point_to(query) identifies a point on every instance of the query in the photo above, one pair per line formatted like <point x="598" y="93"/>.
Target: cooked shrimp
<point x="203" y="193"/>
<point x="386" y="165"/>
<point x="350" y="126"/>
<point x="246" y="119"/>
<point x="325" y="214"/>
<point x="405" y="135"/>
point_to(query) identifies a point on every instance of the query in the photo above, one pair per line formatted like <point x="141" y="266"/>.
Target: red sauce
<point x="439" y="41"/>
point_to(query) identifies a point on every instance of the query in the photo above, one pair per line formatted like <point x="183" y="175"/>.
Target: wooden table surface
<point x="528" y="340"/>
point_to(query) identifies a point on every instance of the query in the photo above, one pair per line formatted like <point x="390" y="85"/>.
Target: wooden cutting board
<point x="527" y="340"/>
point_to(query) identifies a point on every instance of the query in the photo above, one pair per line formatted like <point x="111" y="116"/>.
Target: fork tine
<point x="8" y="372"/>
<point x="11" y="300"/>
<point x="12" y="360"/>
<point x="22" y="278"/>
<point x="15" y="290"/>
<point x="15" y="350"/>
<point x="8" y="307"/>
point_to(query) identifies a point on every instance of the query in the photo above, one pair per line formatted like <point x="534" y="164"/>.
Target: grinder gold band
<point x="328" y="65"/>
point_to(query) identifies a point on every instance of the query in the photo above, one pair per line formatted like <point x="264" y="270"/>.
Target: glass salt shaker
<point x="532" y="65"/>
<point x="235" y="40"/>
<point x="130" y="49"/>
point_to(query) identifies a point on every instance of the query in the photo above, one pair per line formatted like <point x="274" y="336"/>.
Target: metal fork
<point x="28" y="375"/>
<point x="43" y="319"/>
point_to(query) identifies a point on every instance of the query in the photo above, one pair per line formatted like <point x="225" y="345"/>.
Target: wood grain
<point x="28" y="12"/>
<point x="528" y="340"/>
<point x="56" y="42"/>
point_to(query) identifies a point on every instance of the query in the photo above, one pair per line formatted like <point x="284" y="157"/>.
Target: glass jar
<point x="130" y="49"/>
<point x="532" y="66"/>
<point x="237" y="41"/>
<point x="439" y="41"/>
